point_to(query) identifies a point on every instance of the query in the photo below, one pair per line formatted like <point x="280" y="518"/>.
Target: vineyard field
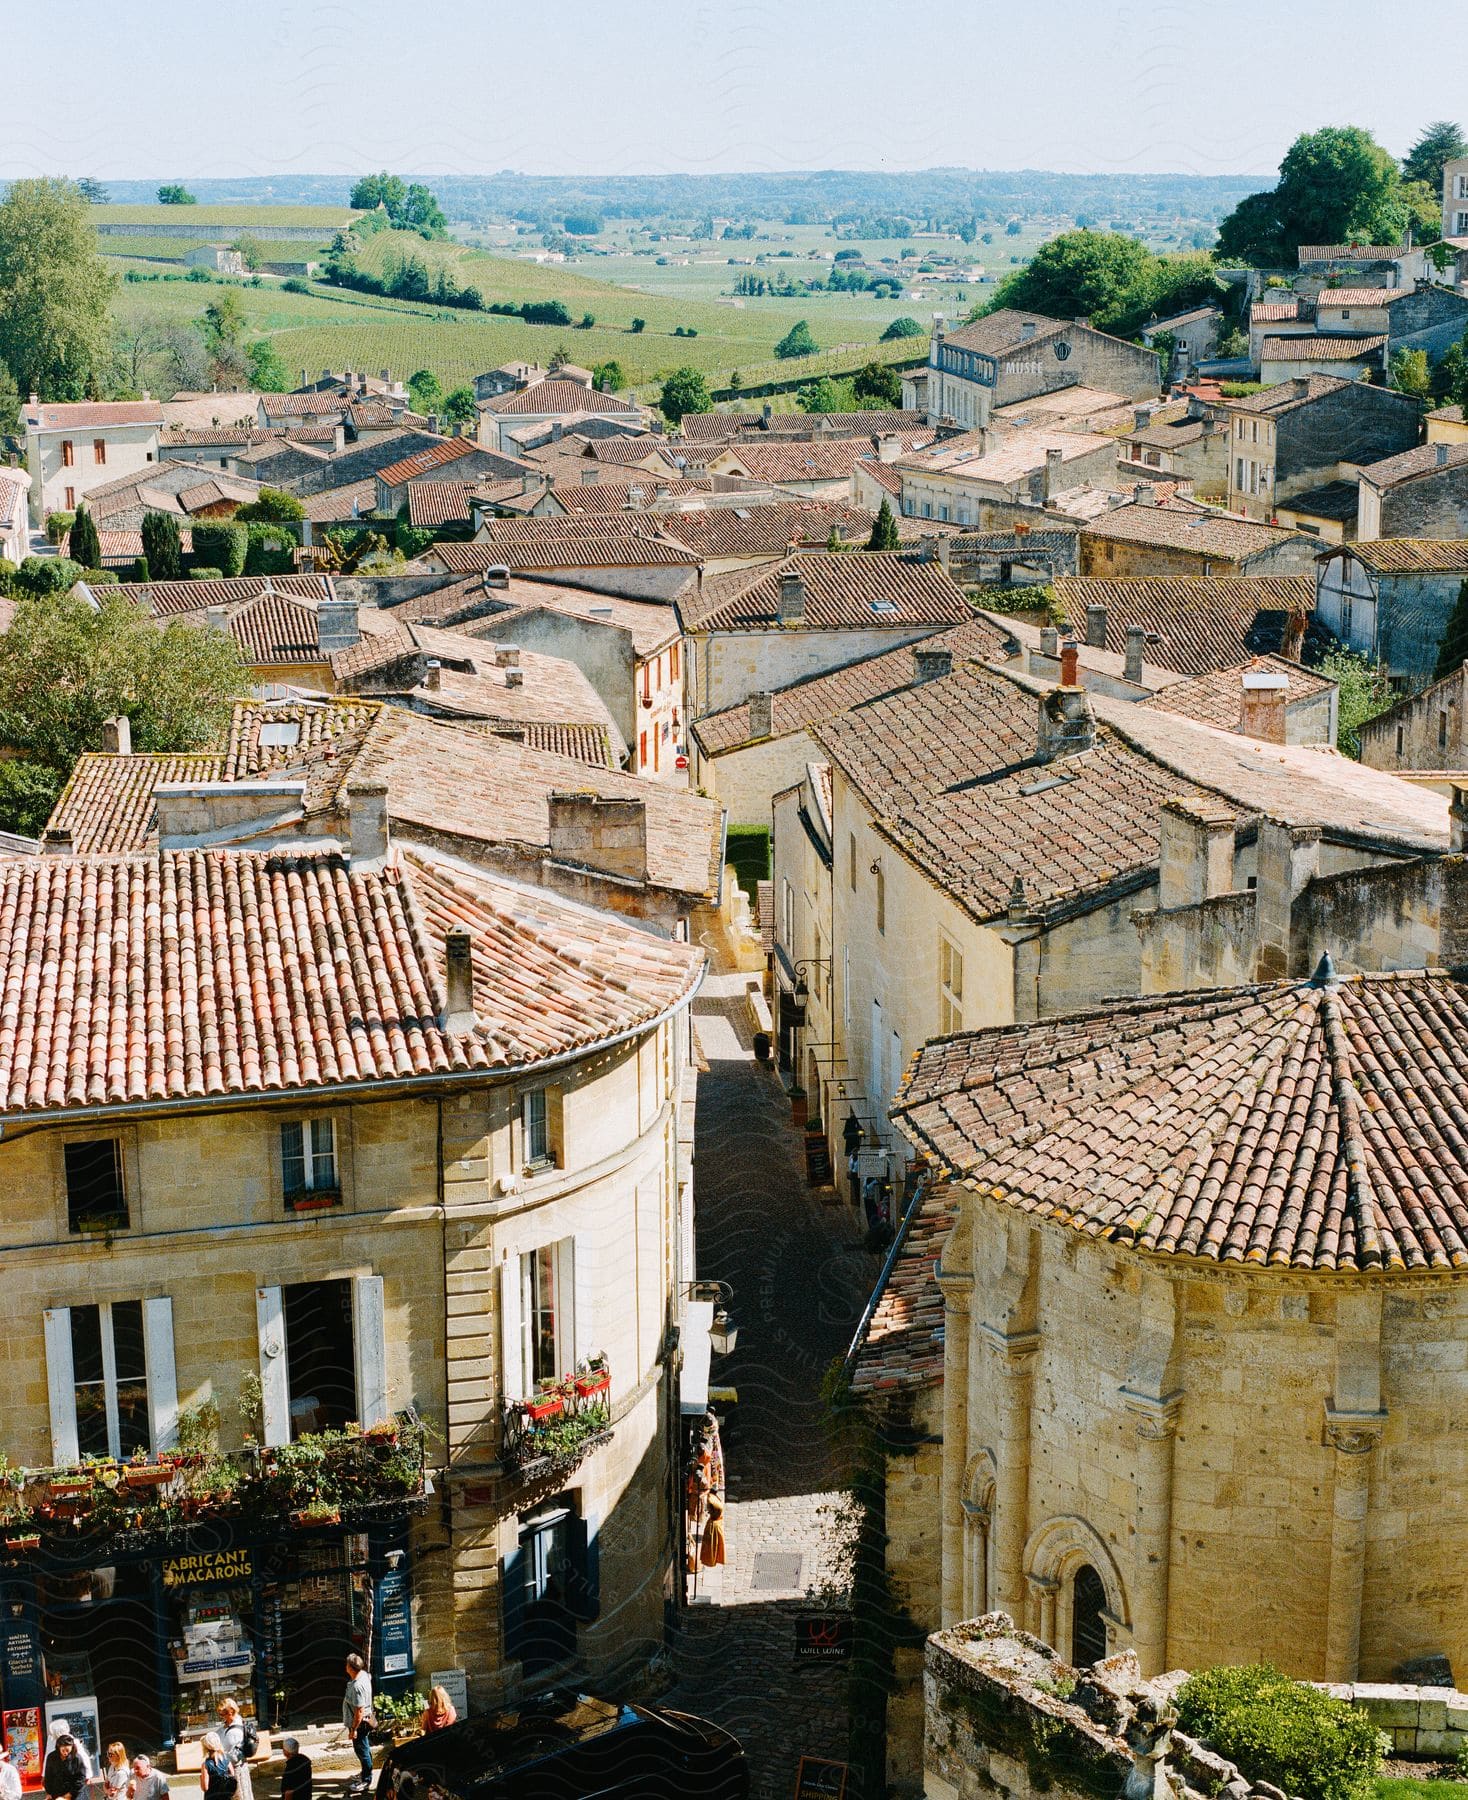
<point x="210" y="219"/>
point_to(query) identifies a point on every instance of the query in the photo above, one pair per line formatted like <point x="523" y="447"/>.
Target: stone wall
<point x="1425" y="731"/>
<point x="1434" y="505"/>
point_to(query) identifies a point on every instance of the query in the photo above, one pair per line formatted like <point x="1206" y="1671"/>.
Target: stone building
<point x="1421" y="493"/>
<point x="366" y="1136"/>
<point x="979" y="477"/>
<point x="1175" y="537"/>
<point x="1390" y="599"/>
<point x="1298" y="434"/>
<point x="1198" y="1323"/>
<point x="1184" y="438"/>
<point x="1193" y="623"/>
<point x="1423" y="731"/>
<point x="70" y="449"/>
<point x="1013" y="355"/>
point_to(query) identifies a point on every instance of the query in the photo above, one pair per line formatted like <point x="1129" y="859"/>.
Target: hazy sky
<point x="261" y="87"/>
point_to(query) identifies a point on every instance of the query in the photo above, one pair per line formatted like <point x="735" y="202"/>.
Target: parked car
<point x="570" y="1747"/>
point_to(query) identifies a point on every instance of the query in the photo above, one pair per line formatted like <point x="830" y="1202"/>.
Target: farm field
<point x="174" y="249"/>
<point x="210" y="219"/>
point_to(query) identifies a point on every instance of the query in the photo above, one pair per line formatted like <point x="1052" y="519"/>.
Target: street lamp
<point x="723" y="1332"/>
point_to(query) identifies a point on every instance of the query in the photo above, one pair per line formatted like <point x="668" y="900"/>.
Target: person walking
<point x="115" y="1773"/>
<point x="440" y="1711"/>
<point x="295" y="1777"/>
<point x="357" y="1717"/>
<point x="147" y="1783"/>
<point x="65" y="1775"/>
<point x="216" y="1778"/>
<point x="240" y="1740"/>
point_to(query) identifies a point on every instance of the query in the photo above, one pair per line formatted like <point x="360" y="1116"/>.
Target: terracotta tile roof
<point x="1180" y="525"/>
<point x="433" y="503"/>
<point x="91" y="415"/>
<point x="1268" y="311"/>
<point x="1168" y="428"/>
<point x="1310" y="347"/>
<point x="107" y="805"/>
<point x="621" y="495"/>
<point x="310" y="404"/>
<point x="202" y="974"/>
<point x="557" y="398"/>
<point x="275" y="449"/>
<point x="334" y="505"/>
<point x="1003" y="331"/>
<point x="1452" y="414"/>
<point x="886" y="475"/>
<point x="421" y="462"/>
<point x="902" y="1346"/>
<point x="1407" y="556"/>
<point x="379" y="415"/>
<point x="1285" y="396"/>
<point x="1283" y="1126"/>
<point x="384" y="643"/>
<point x="227" y="409"/>
<point x="724" y="427"/>
<point x="1409" y="465"/>
<point x="316" y="722"/>
<point x="166" y="598"/>
<point x="590" y="744"/>
<point x="651" y="625"/>
<point x="719" y="531"/>
<point x="1194" y="623"/>
<point x="122" y="546"/>
<point x="561" y="544"/>
<point x="1328" y="297"/>
<point x="205" y="437"/>
<point x="810" y="459"/>
<point x="1007" y="458"/>
<point x="844" y="590"/>
<point x="629" y="450"/>
<point x="1217" y="698"/>
<point x="830" y="696"/>
<point x="274" y="628"/>
<point x="1310" y="253"/>
<point x="1077" y="402"/>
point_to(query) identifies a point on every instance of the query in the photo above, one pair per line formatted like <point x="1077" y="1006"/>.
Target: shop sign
<point x="395" y="1624"/>
<point x="20" y="1656"/>
<point x="818" y="1777"/>
<point x="206" y="1567"/>
<point x="823" y="1638"/>
<point x="455" y="1684"/>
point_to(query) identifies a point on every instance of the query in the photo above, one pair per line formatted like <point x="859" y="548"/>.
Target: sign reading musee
<point x="206" y="1567"/>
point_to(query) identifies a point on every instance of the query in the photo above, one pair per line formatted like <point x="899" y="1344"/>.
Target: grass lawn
<point x="1400" y="1787"/>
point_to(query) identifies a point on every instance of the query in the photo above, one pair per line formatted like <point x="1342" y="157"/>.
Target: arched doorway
<point x="1087" y="1617"/>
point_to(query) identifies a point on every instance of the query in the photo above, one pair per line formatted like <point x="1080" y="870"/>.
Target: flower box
<point x="330" y="1515"/>
<point x="596" y="1382"/>
<point x="314" y="1199"/>
<point x="70" y="1488"/>
<point x="148" y="1475"/>
<point x="31" y="1541"/>
<point x="544" y="1406"/>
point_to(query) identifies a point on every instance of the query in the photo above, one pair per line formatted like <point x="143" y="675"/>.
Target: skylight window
<point x="280" y="734"/>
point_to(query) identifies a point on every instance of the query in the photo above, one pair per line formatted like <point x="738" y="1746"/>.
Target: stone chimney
<point x="792" y="598"/>
<point x="889" y="447"/>
<point x="1136" y="639"/>
<point x="515" y="677"/>
<point x="338" y="436"/>
<point x="931" y="662"/>
<point x="1263" y="712"/>
<point x="1067" y="724"/>
<point x="767" y="412"/>
<point x="1144" y="494"/>
<point x="56" y="841"/>
<point x="1141" y="416"/>
<point x="1070" y="664"/>
<point x="1096" y="625"/>
<point x="507" y="656"/>
<point x="458" y="980"/>
<point x="1053" y="460"/>
<point x="1286" y="860"/>
<point x="216" y="617"/>
<point x="600" y="833"/>
<point x="336" y="625"/>
<point x="433" y="675"/>
<point x="497" y="575"/>
<point x="636" y="495"/>
<point x="1458" y="821"/>
<point x="945" y="553"/>
<point x="1442" y="456"/>
<point x="1196" y="856"/>
<point x="367" y="820"/>
<point x="558" y="431"/>
<point x="433" y="423"/>
<point x="117" y="736"/>
<point x="761" y="714"/>
<point x="1049" y="641"/>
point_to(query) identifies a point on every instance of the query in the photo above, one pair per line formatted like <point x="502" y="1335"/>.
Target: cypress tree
<point x="85" y="547"/>
<point x="161" y="546"/>
<point x="884" y="529"/>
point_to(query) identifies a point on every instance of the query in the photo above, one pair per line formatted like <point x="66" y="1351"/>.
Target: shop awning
<point x="693" y="1383"/>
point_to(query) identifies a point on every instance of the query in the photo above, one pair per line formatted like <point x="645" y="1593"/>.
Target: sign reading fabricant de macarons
<point x="205" y="1567"/>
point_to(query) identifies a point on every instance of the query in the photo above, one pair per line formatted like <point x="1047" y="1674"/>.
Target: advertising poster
<point x="22" y="1728"/>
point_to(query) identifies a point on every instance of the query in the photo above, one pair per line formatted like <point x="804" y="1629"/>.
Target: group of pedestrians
<point x="67" y="1773"/>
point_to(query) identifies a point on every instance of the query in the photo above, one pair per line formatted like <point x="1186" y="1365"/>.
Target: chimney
<point x="761" y="715"/>
<point x="1140" y="416"/>
<point x="1053" y="460"/>
<point x="1049" y="641"/>
<point x="1026" y="330"/>
<point x="1144" y="494"/>
<point x="792" y="598"/>
<point x="458" y="980"/>
<point x="1096" y="625"/>
<point x="1070" y="664"/>
<point x="433" y="675"/>
<point x="433" y="423"/>
<point x="767" y="412"/>
<point x="945" y="553"/>
<point x="305" y="377"/>
<point x="514" y="677"/>
<point x="931" y="662"/>
<point x="367" y="820"/>
<point x="600" y="833"/>
<point x="1263" y="712"/>
<point x="1458" y="821"/>
<point x="336" y="625"/>
<point x="1196" y="852"/>
<point x="386" y="375"/>
<point x="636" y="495"/>
<point x="1067" y="721"/>
<point x="338" y="436"/>
<point x="1286" y="861"/>
<point x="117" y="736"/>
<point x="889" y="447"/>
<point x="217" y="617"/>
<point x="529" y="481"/>
<point x="507" y="656"/>
<point x="557" y="431"/>
<point x="1442" y="456"/>
<point x="56" y="841"/>
<point x="1136" y="637"/>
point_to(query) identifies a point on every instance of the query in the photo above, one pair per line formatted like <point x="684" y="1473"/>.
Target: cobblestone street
<point x="800" y="1279"/>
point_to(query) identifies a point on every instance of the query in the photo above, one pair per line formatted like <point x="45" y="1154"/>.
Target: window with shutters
<point x="71" y="499"/>
<point x="99" y="450"/>
<point x="851" y="849"/>
<point x="110" y="1379"/>
<point x="320" y="1355"/>
<point x="950" y="987"/>
<point x="68" y="453"/>
<point x="308" y="1171"/>
<point x="547" y="1303"/>
<point x="96" y="1199"/>
<point x="540" y="1129"/>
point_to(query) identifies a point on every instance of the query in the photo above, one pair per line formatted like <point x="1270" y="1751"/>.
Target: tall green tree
<point x="884" y="528"/>
<point x="174" y="193"/>
<point x="1440" y="142"/>
<point x="1112" y="280"/>
<point x="459" y="407"/>
<point x="161" y="546"/>
<point x="55" y="332"/>
<point x="425" y="390"/>
<point x="797" y="342"/>
<point x="685" y="391"/>
<point x="904" y="327"/>
<point x="85" y="546"/>
<point x="1336" y="186"/>
<point x="268" y="373"/>
<point x="92" y="192"/>
<point x="390" y="192"/>
<point x="1409" y="373"/>
<point x="877" y="384"/>
<point x="1452" y="652"/>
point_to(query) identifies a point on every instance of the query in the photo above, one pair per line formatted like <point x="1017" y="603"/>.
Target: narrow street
<point x="800" y="1279"/>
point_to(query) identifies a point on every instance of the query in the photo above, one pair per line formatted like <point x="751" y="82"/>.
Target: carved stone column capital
<point x="1153" y="1416"/>
<point x="1353" y="1433"/>
<point x="1015" y="1351"/>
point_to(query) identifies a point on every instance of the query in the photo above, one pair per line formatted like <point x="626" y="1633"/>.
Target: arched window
<point x="1087" y="1617"/>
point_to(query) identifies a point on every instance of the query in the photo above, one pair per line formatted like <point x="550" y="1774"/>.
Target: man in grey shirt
<point x="357" y="1717"/>
<point x="146" y="1783"/>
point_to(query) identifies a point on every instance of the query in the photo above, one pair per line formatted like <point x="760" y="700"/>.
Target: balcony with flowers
<point x="558" y="1425"/>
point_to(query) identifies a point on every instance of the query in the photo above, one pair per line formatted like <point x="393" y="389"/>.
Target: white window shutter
<point x="571" y="1274"/>
<point x="512" y="1362"/>
<point x="370" y="1338"/>
<point x="61" y="1386"/>
<point x="162" y="1374"/>
<point x="275" y="1387"/>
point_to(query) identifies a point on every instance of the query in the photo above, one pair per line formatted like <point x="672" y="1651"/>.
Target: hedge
<point x="1282" y="1731"/>
<point x="205" y="574"/>
<point x="221" y="545"/>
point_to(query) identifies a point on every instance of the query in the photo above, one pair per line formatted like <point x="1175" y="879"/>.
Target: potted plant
<point x="318" y="1512"/>
<point x="147" y="1475"/>
<point x="69" y="1487"/>
<point x="594" y="1377"/>
<point x="797" y="1105"/>
<point x="547" y="1404"/>
<point x="384" y="1433"/>
<point x="24" y="1543"/>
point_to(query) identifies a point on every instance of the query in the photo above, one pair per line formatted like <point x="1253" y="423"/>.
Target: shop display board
<point x="80" y="1713"/>
<point x="22" y="1727"/>
<point x="455" y="1684"/>
<point x="817" y="1777"/>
